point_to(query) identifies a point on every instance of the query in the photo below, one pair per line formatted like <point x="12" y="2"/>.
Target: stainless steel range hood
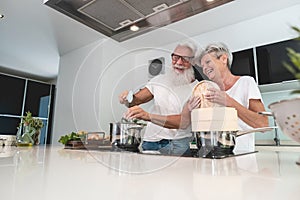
<point x="113" y="18"/>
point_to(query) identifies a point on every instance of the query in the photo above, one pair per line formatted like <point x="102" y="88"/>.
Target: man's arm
<point x="179" y="121"/>
<point x="167" y="121"/>
<point x="142" y="96"/>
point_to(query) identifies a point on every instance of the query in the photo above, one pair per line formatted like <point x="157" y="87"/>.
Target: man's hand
<point x="136" y="112"/>
<point x="194" y="102"/>
<point x="123" y="97"/>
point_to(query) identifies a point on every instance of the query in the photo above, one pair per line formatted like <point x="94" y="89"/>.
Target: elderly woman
<point x="240" y="92"/>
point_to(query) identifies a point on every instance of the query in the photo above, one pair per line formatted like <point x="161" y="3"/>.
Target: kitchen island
<point x="48" y="173"/>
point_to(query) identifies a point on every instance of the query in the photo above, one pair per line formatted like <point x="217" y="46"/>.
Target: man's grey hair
<point x="218" y="48"/>
<point x="189" y="44"/>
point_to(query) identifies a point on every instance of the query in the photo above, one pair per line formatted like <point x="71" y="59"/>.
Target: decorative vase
<point x="27" y="136"/>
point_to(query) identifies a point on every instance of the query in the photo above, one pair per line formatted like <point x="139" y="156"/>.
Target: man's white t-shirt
<point x="168" y="100"/>
<point x="242" y="91"/>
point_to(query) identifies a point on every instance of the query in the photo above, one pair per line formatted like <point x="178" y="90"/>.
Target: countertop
<point x="48" y="173"/>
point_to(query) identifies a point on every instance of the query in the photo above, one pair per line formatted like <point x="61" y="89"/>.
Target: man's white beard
<point x="182" y="78"/>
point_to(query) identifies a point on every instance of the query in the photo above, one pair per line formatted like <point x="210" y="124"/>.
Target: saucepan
<point x="126" y="135"/>
<point x="218" y="144"/>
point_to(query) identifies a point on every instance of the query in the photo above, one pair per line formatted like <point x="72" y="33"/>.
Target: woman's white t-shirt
<point x="242" y="91"/>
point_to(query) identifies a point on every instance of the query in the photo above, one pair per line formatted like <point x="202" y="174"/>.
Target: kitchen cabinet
<point x="270" y="60"/>
<point x="243" y="63"/>
<point x="265" y="63"/>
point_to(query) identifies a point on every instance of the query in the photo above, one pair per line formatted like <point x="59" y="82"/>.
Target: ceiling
<point x="33" y="36"/>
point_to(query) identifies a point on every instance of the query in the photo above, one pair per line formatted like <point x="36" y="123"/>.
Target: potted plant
<point x="295" y="59"/>
<point x="29" y="130"/>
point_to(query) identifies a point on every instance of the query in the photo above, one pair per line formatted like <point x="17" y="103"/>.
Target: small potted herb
<point x="29" y="130"/>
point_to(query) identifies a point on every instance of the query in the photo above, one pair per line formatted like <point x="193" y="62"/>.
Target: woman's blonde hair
<point x="218" y="48"/>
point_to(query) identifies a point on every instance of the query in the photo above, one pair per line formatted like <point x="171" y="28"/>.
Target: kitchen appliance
<point x="220" y="144"/>
<point x="126" y="135"/>
<point x="215" y="130"/>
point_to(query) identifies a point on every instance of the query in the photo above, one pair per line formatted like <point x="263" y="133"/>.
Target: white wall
<point x="91" y="78"/>
<point x="258" y="31"/>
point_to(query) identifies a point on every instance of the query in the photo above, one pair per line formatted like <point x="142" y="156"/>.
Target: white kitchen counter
<point x="54" y="173"/>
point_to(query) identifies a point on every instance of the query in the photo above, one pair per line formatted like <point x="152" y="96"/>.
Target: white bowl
<point x="9" y="140"/>
<point x="287" y="115"/>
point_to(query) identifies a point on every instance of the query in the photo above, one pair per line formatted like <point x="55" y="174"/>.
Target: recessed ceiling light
<point x="134" y="28"/>
<point x="209" y="0"/>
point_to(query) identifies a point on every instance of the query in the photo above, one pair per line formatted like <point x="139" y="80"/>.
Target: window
<point x="12" y="94"/>
<point x="37" y="98"/>
<point x="13" y="105"/>
<point x="8" y="125"/>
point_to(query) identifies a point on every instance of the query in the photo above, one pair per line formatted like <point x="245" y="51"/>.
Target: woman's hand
<point x="219" y="97"/>
<point x="136" y="112"/>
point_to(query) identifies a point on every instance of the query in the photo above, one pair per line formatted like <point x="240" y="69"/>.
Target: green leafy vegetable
<point x="70" y="137"/>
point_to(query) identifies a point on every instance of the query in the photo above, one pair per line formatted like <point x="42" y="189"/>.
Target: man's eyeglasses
<point x="184" y="59"/>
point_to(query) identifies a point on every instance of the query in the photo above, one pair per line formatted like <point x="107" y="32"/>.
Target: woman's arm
<point x="250" y="116"/>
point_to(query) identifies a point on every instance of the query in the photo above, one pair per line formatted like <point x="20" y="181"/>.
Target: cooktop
<point x="194" y="153"/>
<point x="222" y="155"/>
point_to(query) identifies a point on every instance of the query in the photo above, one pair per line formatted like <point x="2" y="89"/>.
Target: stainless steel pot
<point x="126" y="135"/>
<point x="218" y="144"/>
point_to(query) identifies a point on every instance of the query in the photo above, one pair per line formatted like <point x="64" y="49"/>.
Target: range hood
<point x="114" y="18"/>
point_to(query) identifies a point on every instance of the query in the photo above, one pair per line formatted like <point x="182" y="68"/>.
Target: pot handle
<point x="263" y="129"/>
<point x="269" y="114"/>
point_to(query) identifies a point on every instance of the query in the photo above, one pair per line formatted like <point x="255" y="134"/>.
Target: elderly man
<point x="169" y="91"/>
